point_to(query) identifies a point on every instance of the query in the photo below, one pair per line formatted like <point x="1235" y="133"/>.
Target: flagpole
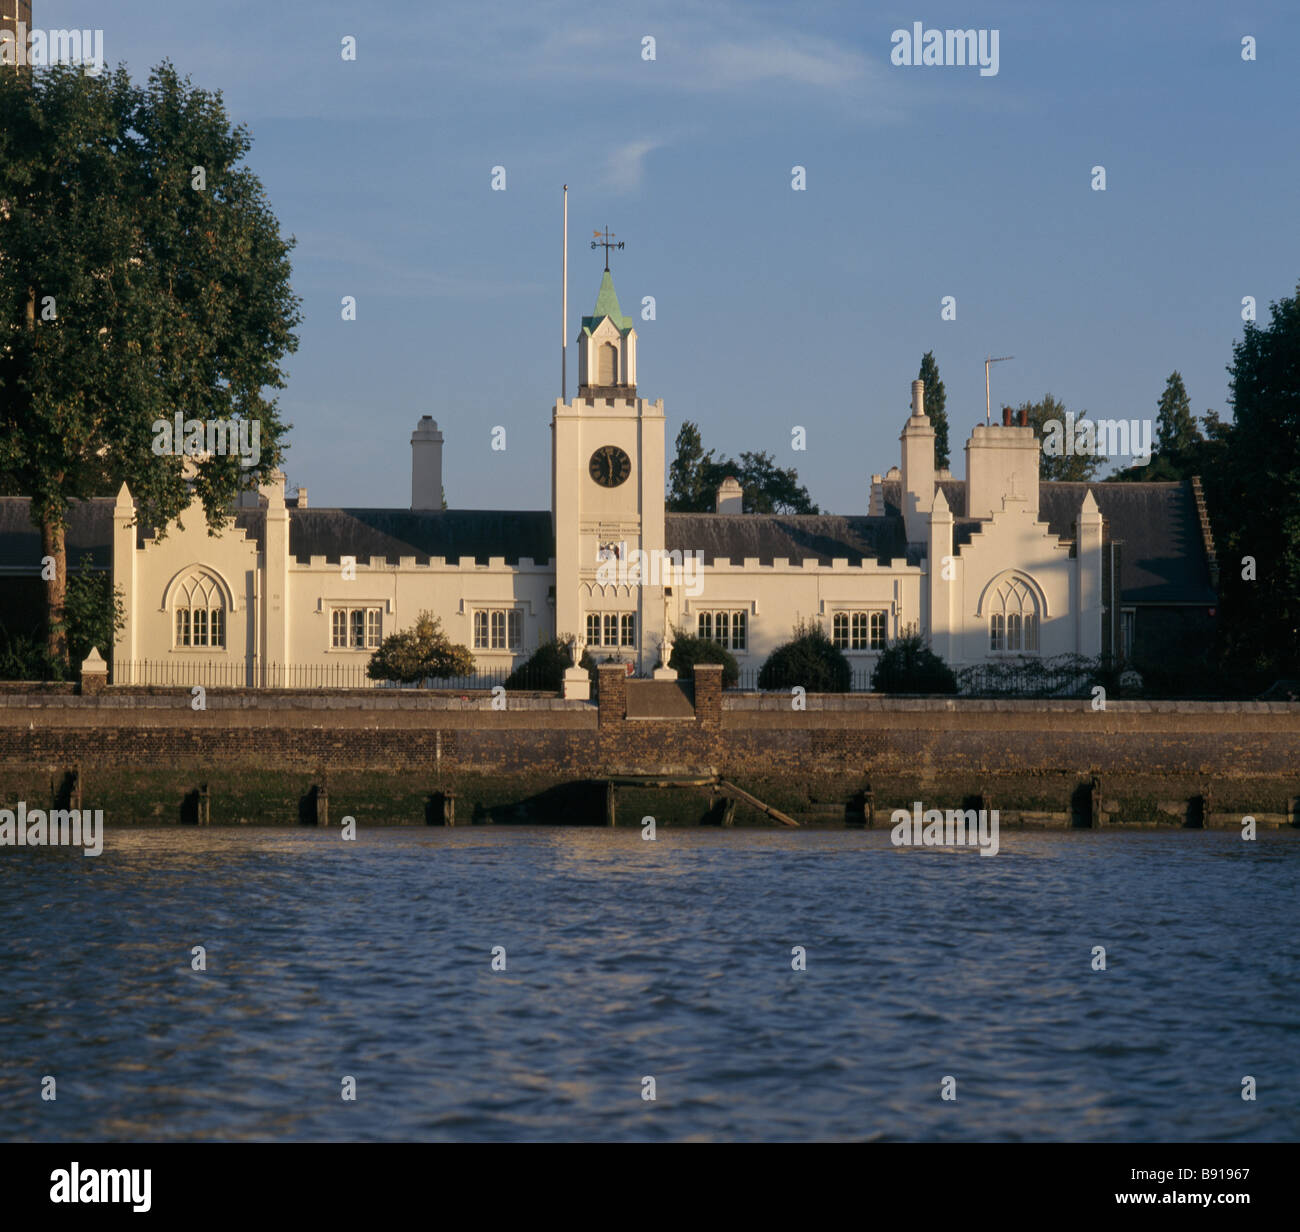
<point x="564" y="310"/>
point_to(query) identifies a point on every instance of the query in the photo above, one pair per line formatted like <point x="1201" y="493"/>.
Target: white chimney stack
<point x="918" y="398"/>
<point x="426" y="465"/>
<point x="730" y="497"/>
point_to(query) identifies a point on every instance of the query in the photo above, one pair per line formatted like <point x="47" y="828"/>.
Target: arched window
<point x="1013" y="618"/>
<point x="608" y="368"/>
<point x="200" y="618"/>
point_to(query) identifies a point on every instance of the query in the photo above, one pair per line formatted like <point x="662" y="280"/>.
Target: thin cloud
<point x="625" y="168"/>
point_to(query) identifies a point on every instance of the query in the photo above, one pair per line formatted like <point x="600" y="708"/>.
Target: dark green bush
<point x="908" y="665"/>
<point x="545" y="667"/>
<point x="688" y="650"/>
<point x="809" y="660"/>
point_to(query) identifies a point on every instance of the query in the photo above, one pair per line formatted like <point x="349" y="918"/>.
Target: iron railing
<point x="179" y="673"/>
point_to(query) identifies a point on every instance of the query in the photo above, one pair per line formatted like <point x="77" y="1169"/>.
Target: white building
<point x="996" y="564"/>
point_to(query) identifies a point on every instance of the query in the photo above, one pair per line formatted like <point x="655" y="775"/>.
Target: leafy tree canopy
<point x="1254" y="495"/>
<point x="142" y="274"/>
<point x="694" y="477"/>
<point x="1071" y="466"/>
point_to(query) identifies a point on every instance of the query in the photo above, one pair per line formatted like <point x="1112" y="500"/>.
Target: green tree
<point x="1176" y="430"/>
<point x="142" y="274"/>
<point x="694" y="477"/>
<point x="96" y="614"/>
<point x="809" y="660"/>
<point x="686" y="473"/>
<point x="1254" y="497"/>
<point x="935" y="401"/>
<point x="1048" y="419"/>
<point x="423" y="651"/>
<point x="1202" y="456"/>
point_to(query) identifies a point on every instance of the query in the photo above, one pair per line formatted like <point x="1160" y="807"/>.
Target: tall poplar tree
<point x="935" y="401"/>
<point x="142" y="274"/>
<point x="1176" y="430"/>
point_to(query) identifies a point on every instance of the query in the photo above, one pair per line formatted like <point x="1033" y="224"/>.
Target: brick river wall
<point x="141" y="753"/>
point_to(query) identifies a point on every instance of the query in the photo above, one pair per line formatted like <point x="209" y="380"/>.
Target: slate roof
<point x="90" y="529"/>
<point x="363" y="533"/>
<point x="1162" y="557"/>
<point x="1162" y="554"/>
<point x="450" y="533"/>
<point x="796" y="537"/>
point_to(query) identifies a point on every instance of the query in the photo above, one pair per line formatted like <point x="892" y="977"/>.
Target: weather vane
<point x="605" y="240"/>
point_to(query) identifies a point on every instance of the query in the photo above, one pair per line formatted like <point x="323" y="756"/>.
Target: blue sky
<point x="775" y="308"/>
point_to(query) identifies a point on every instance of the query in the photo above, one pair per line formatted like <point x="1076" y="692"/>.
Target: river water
<point x="628" y="959"/>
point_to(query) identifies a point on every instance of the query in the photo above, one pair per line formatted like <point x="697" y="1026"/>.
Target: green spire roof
<point x="607" y="306"/>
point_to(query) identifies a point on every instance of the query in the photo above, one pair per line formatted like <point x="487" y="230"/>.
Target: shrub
<point x="1064" y="675"/>
<point x="810" y="660"/>
<point x="545" y="667"/>
<point x="421" y="652"/>
<point x="688" y="650"/>
<point x="26" y="658"/>
<point x="95" y="613"/>
<point x="908" y="665"/>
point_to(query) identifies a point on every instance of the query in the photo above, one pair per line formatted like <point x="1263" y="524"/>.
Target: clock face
<point x="609" y="466"/>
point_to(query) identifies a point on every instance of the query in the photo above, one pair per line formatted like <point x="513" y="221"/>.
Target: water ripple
<point x="628" y="960"/>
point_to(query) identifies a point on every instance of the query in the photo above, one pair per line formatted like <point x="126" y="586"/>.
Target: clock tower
<point x="607" y="497"/>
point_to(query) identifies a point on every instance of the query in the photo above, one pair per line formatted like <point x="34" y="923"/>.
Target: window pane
<point x="859" y="630"/>
<point x="1013" y="631"/>
<point x="995" y="632"/>
<point x="593" y="628"/>
<point x="877" y="630"/>
<point x="722" y="628"/>
<point x="515" y="629"/>
<point x="498" y="630"/>
<point x="738" y="630"/>
<point x="611" y="629"/>
<point x="200" y="626"/>
<point x="357" y="619"/>
<point x="629" y="629"/>
<point x="1031" y="632"/>
<point x="218" y="617"/>
<point x="480" y="630"/>
<point x="372" y="626"/>
<point x="704" y="625"/>
<point x="840" y="629"/>
<point x="182" y="626"/>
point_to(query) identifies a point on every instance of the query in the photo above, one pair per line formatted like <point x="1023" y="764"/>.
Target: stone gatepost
<point x="94" y="674"/>
<point x="577" y="684"/>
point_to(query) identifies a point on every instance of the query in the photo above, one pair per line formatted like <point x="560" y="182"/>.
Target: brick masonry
<point x="138" y="751"/>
